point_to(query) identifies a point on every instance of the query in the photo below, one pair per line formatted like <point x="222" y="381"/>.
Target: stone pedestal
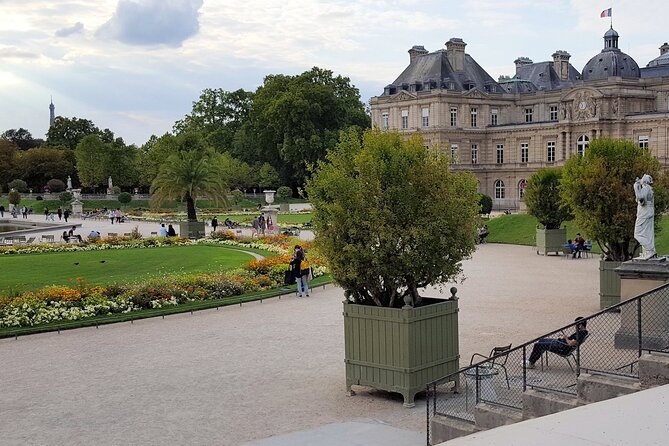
<point x="192" y="229"/>
<point x="77" y="208"/>
<point x="638" y="277"/>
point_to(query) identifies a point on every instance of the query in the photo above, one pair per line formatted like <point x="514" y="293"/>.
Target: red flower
<point x="152" y="291"/>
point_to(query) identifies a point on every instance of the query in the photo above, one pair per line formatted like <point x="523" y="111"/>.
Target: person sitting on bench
<point x="71" y="234"/>
<point x="561" y="346"/>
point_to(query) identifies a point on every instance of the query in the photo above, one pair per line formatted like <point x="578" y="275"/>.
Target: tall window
<point x="524" y="152"/>
<point x="528" y="115"/>
<point x="581" y="144"/>
<point x="493" y="116"/>
<point x="384" y="121"/>
<point x="405" y="119"/>
<point x="643" y="142"/>
<point x="472" y="113"/>
<point x="454" y="153"/>
<point x="475" y="154"/>
<point x="553" y="110"/>
<point x="500" y="153"/>
<point x="550" y="151"/>
<point x="454" y="117"/>
<point x="499" y="189"/>
<point x="426" y="117"/>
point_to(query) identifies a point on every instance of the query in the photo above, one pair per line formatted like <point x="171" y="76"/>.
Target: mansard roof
<point x="435" y="69"/>
<point x="544" y="77"/>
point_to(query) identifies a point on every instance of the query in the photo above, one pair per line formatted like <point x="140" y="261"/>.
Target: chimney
<point x="664" y="48"/>
<point x="561" y="64"/>
<point x="415" y="51"/>
<point x="521" y="62"/>
<point x="455" y="50"/>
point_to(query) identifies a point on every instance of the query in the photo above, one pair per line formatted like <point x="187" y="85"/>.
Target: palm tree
<point x="189" y="175"/>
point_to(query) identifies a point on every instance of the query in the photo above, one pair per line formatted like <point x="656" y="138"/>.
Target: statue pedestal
<point x="77" y="208"/>
<point x="638" y="277"/>
<point x="271" y="213"/>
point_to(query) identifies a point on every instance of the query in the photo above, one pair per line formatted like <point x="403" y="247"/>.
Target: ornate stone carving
<point x="584" y="106"/>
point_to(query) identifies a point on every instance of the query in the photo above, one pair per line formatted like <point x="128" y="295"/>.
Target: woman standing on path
<point x="301" y="274"/>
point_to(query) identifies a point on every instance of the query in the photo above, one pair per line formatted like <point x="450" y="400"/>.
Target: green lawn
<point x="520" y="229"/>
<point x="31" y="271"/>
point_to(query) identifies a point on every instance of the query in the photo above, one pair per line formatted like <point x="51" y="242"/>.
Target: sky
<point x="136" y="66"/>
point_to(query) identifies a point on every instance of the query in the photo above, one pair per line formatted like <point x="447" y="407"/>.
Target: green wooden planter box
<point x="401" y="350"/>
<point x="609" y="284"/>
<point x="551" y="240"/>
<point x="191" y="229"/>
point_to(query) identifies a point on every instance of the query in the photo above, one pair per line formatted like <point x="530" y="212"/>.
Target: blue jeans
<point x="303" y="284"/>
<point x="551" y="345"/>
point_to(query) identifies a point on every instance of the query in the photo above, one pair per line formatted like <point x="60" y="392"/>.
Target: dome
<point x="611" y="61"/>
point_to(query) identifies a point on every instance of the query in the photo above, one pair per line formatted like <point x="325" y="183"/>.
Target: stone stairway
<point x="590" y="388"/>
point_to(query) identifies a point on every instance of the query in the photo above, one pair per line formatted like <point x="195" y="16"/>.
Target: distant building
<point x="505" y="130"/>
<point x="52" y="113"/>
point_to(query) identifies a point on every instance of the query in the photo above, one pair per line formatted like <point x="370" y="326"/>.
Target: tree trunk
<point x="190" y="207"/>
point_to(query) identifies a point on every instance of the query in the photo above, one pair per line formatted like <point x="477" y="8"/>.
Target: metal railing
<point x="617" y="337"/>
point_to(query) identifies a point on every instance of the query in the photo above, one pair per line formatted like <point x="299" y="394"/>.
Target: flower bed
<point x="64" y="303"/>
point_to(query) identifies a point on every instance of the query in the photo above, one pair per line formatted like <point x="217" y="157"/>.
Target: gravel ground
<point x="244" y="373"/>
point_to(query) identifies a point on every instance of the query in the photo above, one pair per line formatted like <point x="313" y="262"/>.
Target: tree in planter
<point x="543" y="200"/>
<point x="598" y="187"/>
<point x="189" y="175"/>
<point x="124" y="198"/>
<point x="391" y="218"/>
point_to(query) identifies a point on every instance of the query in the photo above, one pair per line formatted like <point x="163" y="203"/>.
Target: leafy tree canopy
<point x="22" y="138"/>
<point x="599" y="189"/>
<point x="68" y="132"/>
<point x="7" y="153"/>
<point x="39" y="165"/>
<point x="543" y="199"/>
<point x="98" y="160"/>
<point x="390" y="217"/>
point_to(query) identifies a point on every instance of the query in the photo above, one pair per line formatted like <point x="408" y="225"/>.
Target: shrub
<point x="543" y="200"/>
<point x="55" y="185"/>
<point x="18" y="185"/>
<point x="485" y="204"/>
<point x="237" y="196"/>
<point x="284" y="192"/>
<point x="391" y="217"/>
<point x="124" y="198"/>
<point x="39" y="198"/>
<point x="14" y="197"/>
<point x="65" y="197"/>
<point x="116" y="190"/>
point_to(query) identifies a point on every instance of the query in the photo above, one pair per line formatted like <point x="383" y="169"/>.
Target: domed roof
<point x="611" y="61"/>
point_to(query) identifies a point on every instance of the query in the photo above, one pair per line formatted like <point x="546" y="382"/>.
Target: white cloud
<point x="74" y="29"/>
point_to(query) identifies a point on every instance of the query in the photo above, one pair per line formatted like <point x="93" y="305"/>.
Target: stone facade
<point x="506" y="130"/>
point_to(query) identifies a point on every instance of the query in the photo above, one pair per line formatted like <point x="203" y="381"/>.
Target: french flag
<point x="606" y="13"/>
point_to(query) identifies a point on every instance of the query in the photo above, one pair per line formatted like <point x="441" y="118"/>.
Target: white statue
<point x="69" y="182"/>
<point x="644" y="228"/>
<point x="110" y="185"/>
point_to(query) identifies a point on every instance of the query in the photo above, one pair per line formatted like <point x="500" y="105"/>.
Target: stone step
<point x="653" y="370"/>
<point x="594" y="388"/>
<point x="537" y="403"/>
<point x="443" y="429"/>
<point x="488" y="416"/>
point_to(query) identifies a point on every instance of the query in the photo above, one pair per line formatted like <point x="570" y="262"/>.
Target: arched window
<point x="522" y="185"/>
<point x="499" y="189"/>
<point x="581" y="144"/>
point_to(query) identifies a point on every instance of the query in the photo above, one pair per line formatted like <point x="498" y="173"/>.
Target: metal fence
<point x="616" y="338"/>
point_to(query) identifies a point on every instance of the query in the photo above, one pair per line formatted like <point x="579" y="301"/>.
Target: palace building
<point x="505" y="130"/>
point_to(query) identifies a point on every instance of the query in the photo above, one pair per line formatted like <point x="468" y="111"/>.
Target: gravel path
<point x="243" y="373"/>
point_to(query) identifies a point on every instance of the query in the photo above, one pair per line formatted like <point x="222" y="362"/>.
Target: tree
<point x="599" y="189"/>
<point x="268" y="177"/>
<point x="68" y="132"/>
<point x="217" y="115"/>
<point x="237" y="173"/>
<point x="296" y="119"/>
<point x="390" y="217"/>
<point x="189" y="175"/>
<point x="7" y="158"/>
<point x="18" y="185"/>
<point x="284" y="192"/>
<point x="543" y="199"/>
<point x="485" y="204"/>
<point x="97" y="161"/>
<point x="55" y="185"/>
<point x="65" y="197"/>
<point x="22" y="138"/>
<point x="124" y="198"/>
<point x="14" y="197"/>
<point x="39" y="165"/>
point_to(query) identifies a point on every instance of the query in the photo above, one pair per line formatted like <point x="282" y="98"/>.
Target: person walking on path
<point x="262" y="223"/>
<point x="60" y="214"/>
<point x="299" y="272"/>
<point x="24" y="212"/>
<point x="46" y="213"/>
<point x="66" y="214"/>
<point x="214" y="224"/>
<point x="2" y="211"/>
<point x="119" y="215"/>
<point x="255" y="227"/>
<point x="111" y="215"/>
